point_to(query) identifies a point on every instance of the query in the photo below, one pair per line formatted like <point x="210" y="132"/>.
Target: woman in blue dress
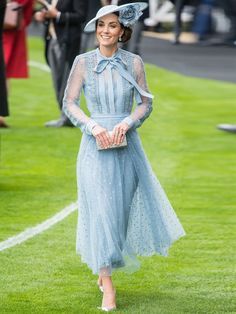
<point x="123" y="210"/>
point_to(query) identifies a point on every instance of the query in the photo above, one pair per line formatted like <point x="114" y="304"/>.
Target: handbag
<point x="122" y="144"/>
<point x="13" y="16"/>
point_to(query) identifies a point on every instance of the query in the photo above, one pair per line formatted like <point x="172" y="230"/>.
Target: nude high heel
<point x="105" y="308"/>
<point x="100" y="287"/>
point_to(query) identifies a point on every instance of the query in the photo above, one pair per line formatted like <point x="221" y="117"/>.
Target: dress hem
<point x="123" y="268"/>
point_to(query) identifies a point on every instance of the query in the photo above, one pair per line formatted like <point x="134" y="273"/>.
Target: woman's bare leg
<point x="109" y="294"/>
<point x="3" y="124"/>
<point x="99" y="282"/>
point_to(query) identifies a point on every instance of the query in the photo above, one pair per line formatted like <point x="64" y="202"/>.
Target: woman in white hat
<point x="123" y="210"/>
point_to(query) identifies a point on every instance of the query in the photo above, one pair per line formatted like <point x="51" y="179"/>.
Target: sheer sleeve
<point x="144" y="104"/>
<point x="71" y="101"/>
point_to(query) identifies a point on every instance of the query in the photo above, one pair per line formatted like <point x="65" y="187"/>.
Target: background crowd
<point x="211" y="22"/>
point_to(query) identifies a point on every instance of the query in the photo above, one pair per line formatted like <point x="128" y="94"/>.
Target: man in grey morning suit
<point x="63" y="20"/>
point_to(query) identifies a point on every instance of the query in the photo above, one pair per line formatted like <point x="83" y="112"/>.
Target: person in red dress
<point x="15" y="44"/>
<point x="3" y="91"/>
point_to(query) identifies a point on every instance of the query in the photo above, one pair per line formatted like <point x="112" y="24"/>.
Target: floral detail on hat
<point x="129" y="16"/>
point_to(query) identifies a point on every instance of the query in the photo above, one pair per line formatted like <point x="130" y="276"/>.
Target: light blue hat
<point x="128" y="14"/>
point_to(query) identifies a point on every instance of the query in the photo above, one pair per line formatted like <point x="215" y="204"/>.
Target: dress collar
<point x="102" y="57"/>
<point x="117" y="56"/>
<point x="116" y="61"/>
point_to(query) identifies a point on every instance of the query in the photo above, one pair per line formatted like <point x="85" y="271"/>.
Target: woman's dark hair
<point x="127" y="31"/>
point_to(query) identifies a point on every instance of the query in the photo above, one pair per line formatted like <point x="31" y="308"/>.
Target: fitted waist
<point x="110" y="115"/>
<point x="108" y="120"/>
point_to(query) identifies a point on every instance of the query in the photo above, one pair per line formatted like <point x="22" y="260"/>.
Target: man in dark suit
<point x="229" y="7"/>
<point x="63" y="20"/>
<point x="88" y="40"/>
<point x="179" y="5"/>
<point x="3" y="91"/>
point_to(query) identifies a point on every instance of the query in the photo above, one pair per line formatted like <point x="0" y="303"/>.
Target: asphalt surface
<point x="211" y="62"/>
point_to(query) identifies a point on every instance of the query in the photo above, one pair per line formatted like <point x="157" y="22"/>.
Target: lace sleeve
<point x="144" y="104"/>
<point x="71" y="101"/>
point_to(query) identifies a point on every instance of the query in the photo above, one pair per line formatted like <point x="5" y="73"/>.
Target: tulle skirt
<point x="123" y="210"/>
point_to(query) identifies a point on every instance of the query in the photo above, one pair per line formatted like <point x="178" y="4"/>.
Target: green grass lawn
<point x="194" y="162"/>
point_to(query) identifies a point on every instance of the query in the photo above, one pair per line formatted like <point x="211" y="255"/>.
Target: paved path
<point x="217" y="62"/>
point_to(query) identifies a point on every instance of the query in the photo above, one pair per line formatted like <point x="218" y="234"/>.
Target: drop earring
<point x="120" y="39"/>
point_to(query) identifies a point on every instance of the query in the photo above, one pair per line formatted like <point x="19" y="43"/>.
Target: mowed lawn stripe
<point x="196" y="165"/>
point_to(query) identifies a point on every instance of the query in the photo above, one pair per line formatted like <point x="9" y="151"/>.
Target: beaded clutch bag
<point x="122" y="144"/>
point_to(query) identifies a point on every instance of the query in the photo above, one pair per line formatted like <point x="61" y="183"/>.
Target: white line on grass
<point x="31" y="232"/>
<point x="39" y="65"/>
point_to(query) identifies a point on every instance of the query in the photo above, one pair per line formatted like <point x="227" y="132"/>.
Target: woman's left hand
<point x="119" y="132"/>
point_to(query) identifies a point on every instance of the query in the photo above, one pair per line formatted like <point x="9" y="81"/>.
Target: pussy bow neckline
<point x="116" y="62"/>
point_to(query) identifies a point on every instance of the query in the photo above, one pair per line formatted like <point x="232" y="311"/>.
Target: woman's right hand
<point x="101" y="134"/>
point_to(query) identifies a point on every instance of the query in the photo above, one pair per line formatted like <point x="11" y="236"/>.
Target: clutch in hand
<point x="122" y="144"/>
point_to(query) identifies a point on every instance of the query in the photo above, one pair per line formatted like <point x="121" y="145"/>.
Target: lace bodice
<point x="109" y="85"/>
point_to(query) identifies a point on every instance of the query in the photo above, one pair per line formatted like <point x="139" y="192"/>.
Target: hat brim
<point x="91" y="25"/>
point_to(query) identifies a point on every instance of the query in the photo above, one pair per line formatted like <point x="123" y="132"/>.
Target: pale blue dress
<point x="123" y="210"/>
